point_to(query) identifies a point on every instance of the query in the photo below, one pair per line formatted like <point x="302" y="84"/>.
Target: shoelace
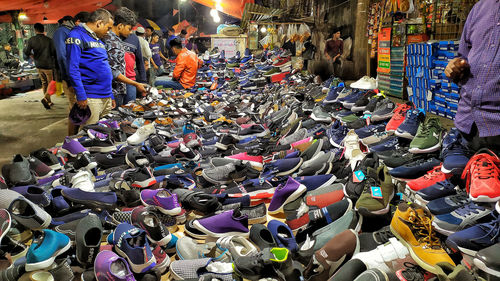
<point x="435" y="172"/>
<point x="468" y="209"/>
<point x="424" y="231"/>
<point x="413" y="272"/>
<point x="493" y="229"/>
<point x="427" y="126"/>
<point x="481" y="166"/>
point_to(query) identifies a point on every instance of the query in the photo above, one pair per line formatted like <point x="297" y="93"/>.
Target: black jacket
<point x="43" y="51"/>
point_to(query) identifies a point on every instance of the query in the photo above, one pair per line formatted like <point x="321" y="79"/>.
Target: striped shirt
<point x="480" y="93"/>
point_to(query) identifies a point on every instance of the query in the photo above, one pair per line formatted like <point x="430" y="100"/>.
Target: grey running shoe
<point x="219" y="175"/>
<point x="320" y="115"/>
<point x="461" y="218"/>
<point x="383" y="111"/>
<point x="298" y="135"/>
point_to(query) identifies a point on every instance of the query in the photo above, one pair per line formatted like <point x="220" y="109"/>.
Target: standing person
<point x="134" y="65"/>
<point x="42" y="49"/>
<point x="477" y="69"/>
<point x="182" y="36"/>
<point x="7" y="59"/>
<point x="192" y="46"/>
<point x="334" y="48"/>
<point x="124" y="20"/>
<point x="156" y="56"/>
<point x="88" y="66"/>
<point x="146" y="51"/>
<point x="81" y="17"/>
<point x="186" y="68"/>
<point x="59" y="38"/>
<point x="149" y="33"/>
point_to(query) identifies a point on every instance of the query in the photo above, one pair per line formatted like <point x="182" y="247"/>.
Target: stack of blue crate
<point x="428" y="86"/>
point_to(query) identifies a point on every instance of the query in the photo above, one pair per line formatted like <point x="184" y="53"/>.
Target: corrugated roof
<point x="257" y="13"/>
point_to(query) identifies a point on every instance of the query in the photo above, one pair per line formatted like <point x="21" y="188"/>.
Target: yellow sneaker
<point x="412" y="225"/>
<point x="222" y="119"/>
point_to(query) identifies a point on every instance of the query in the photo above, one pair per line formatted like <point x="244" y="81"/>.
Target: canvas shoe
<point x="161" y="199"/>
<point x="201" y="269"/>
<point x="482" y="176"/>
<point x="461" y="218"/>
<point x="253" y="160"/>
<point x="408" y="129"/>
<point x="25" y="212"/>
<point x="45" y="248"/>
<point x="141" y="134"/>
<point x="228" y="223"/>
<point x="91" y="199"/>
<point x="109" y="266"/>
<point x="283" y="235"/>
<point x="360" y="104"/>
<point x="189" y="249"/>
<point x="375" y="138"/>
<point x="320" y="115"/>
<point x="365" y="83"/>
<point x="352" y="149"/>
<point x="285" y="194"/>
<point x="388" y="257"/>
<point x="399" y="116"/>
<point x="487" y="260"/>
<point x="377" y="194"/>
<point x="412" y="225"/>
<point x="19" y="172"/>
<point x="383" y="111"/>
<point x="262" y="237"/>
<point x="72" y="147"/>
<point x="35" y="194"/>
<point x="432" y="177"/>
<point x="429" y="136"/>
<point x="88" y="235"/>
<point x="130" y="243"/>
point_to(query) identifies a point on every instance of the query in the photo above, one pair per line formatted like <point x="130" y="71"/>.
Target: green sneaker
<point x="232" y="65"/>
<point x="349" y="118"/>
<point x="377" y="194"/>
<point x="272" y="72"/>
<point x="429" y="136"/>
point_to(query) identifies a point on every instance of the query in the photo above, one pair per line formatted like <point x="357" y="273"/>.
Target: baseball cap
<point x="140" y="30"/>
<point x="79" y="116"/>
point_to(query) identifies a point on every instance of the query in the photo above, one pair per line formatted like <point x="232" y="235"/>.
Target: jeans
<point x="131" y="94"/>
<point x="168" y="84"/>
<point x="119" y="100"/>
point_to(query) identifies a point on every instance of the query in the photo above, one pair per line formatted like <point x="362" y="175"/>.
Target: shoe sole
<point x="221" y="146"/>
<point x="484" y="199"/>
<point x="425" y="150"/>
<point x="103" y="149"/>
<point x="358" y="108"/>
<point x="137" y="268"/>
<point x="296" y="194"/>
<point x="440" y="230"/>
<point x="201" y="228"/>
<point x="289" y="172"/>
<point x="67" y="152"/>
<point x="47" y="175"/>
<point x="376" y="118"/>
<point x="482" y="266"/>
<point x="143" y="184"/>
<point x="6" y="224"/>
<point x="46" y="263"/>
<point x="405" y="135"/>
<point x="318" y="119"/>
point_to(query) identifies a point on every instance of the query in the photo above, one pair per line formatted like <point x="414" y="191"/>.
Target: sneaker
<point x="383" y="111"/>
<point x="268" y="263"/>
<point x="435" y="191"/>
<point x="371" y="240"/>
<point x="5" y="223"/>
<point x="365" y="83"/>
<point x="336" y="134"/>
<point x="399" y="116"/>
<point x="141" y="134"/>
<point x="389" y="143"/>
<point x="224" y="224"/>
<point x="47" y="157"/>
<point x="254" y="161"/>
<point x="161" y="199"/>
<point x="352" y="150"/>
<point x="89" y="232"/>
<point x="320" y="115"/>
<point x="477" y="237"/>
<point x="283" y="235"/>
<point x="72" y="147"/>
<point x="110" y="266"/>
<point x="369" y="130"/>
<point x="97" y="145"/>
<point x="45" y="248"/>
<point x="262" y="237"/>
<point x="483" y="176"/>
<point x="412" y="271"/>
<point x="83" y="180"/>
<point x="91" y="199"/>
<point x="487" y="260"/>
<point x="156" y="231"/>
<point x="461" y="218"/>
<point x="412" y="225"/>
<point x="388" y="257"/>
<point x="221" y="175"/>
<point x="377" y="195"/>
<point x="398" y="157"/>
<point x="285" y="194"/>
<point x="35" y="194"/>
<point x="455" y="153"/>
<point x="408" y="129"/>
<point x="19" y="172"/>
<point x="26" y="212"/>
<point x="201" y="269"/>
<point x="414" y="169"/>
<point x="183" y="152"/>
<point x="448" y="204"/>
<point x="189" y="249"/>
<point x="375" y="138"/>
<point x="432" y="177"/>
<point x="372" y="105"/>
<point x="131" y="243"/>
<point x="225" y="141"/>
<point x="332" y="95"/>
<point x="360" y="104"/>
<point x="40" y="169"/>
<point x="429" y="137"/>
<point x="237" y="246"/>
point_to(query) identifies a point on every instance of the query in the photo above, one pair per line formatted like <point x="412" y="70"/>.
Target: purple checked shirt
<point x="480" y="94"/>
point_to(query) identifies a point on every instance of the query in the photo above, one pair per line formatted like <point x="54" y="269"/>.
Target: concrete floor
<point x="25" y="125"/>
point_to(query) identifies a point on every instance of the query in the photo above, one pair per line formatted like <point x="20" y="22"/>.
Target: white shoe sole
<point x="46" y="263"/>
<point x="440" y="230"/>
<point x="425" y="150"/>
<point x="296" y="194"/>
<point x="375" y="118"/>
<point x="482" y="266"/>
<point x="405" y="135"/>
<point x="318" y="119"/>
<point x="201" y="228"/>
<point x="173" y="212"/>
<point x="484" y="199"/>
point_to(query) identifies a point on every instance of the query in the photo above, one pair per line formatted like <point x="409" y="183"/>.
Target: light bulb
<point x="217" y="19"/>
<point x="214" y="13"/>
<point x="263" y="29"/>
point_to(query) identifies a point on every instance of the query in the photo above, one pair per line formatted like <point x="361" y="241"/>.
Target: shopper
<point x="186" y="68"/>
<point x="134" y="65"/>
<point x="124" y="20"/>
<point x="192" y="46"/>
<point x="156" y="55"/>
<point x="7" y="59"/>
<point x="477" y="69"/>
<point x="88" y="66"/>
<point x="81" y="17"/>
<point x="149" y="33"/>
<point x="41" y="48"/>
<point x="334" y="48"/>
<point x="146" y="51"/>
<point x="59" y="38"/>
<point x="182" y="36"/>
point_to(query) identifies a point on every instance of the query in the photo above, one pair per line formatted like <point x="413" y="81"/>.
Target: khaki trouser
<point x="46" y="76"/>
<point x="98" y="108"/>
<point x="70" y="93"/>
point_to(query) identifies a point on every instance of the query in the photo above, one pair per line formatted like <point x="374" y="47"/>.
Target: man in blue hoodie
<point x="88" y="67"/>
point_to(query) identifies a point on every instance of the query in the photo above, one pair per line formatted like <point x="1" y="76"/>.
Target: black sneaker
<point x="47" y="157"/>
<point x="371" y="240"/>
<point x="185" y="153"/>
<point x="370" y="107"/>
<point x="88" y="237"/>
<point x="397" y="157"/>
<point x="135" y="158"/>
<point x="225" y="141"/>
<point x="97" y="145"/>
<point x="384" y="110"/>
<point x="267" y="263"/>
<point x="362" y="103"/>
<point x="19" y="172"/>
<point x="354" y="188"/>
<point x="84" y="161"/>
<point x="106" y="161"/>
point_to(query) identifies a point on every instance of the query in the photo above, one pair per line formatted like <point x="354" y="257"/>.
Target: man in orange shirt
<point x="186" y="67"/>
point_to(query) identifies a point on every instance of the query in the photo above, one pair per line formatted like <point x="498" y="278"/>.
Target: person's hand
<point x="82" y="104"/>
<point x="156" y="67"/>
<point x="113" y="103"/>
<point x="456" y="68"/>
<point x="141" y="88"/>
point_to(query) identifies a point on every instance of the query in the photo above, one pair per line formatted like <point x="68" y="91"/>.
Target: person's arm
<point x="139" y="63"/>
<point x="457" y="68"/>
<point x="341" y="49"/>
<point x="139" y="86"/>
<point x="163" y="57"/>
<point x="28" y="48"/>
<point x="73" y="55"/>
<point x="179" y="68"/>
<point x="153" y="63"/>
<point x="60" y="47"/>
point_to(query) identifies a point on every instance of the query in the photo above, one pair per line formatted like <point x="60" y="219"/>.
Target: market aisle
<point x="25" y="125"/>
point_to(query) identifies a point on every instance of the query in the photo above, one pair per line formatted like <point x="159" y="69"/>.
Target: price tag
<point x="376" y="192"/>
<point x="358" y="176"/>
<point x="366" y="116"/>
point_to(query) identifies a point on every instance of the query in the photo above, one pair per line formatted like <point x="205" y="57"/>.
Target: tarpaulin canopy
<point x="186" y="26"/>
<point x="233" y="8"/>
<point x="52" y="10"/>
<point x="147" y="22"/>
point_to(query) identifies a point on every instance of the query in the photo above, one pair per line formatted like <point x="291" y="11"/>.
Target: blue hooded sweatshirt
<point x="88" y="66"/>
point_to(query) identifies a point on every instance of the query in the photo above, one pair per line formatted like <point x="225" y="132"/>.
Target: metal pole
<point x="179" y="12"/>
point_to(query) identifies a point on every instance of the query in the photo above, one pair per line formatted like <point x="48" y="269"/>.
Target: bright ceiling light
<point x="218" y="7"/>
<point x="263" y="29"/>
<point x="217" y="19"/>
<point x="214" y="13"/>
<point x="22" y="16"/>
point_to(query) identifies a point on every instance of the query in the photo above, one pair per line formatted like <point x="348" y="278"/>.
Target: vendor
<point x="7" y="59"/>
<point x="477" y="70"/>
<point x="334" y="48"/>
<point x="186" y="68"/>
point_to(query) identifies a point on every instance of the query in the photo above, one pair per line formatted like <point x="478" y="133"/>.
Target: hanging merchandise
<point x="304" y="32"/>
<point x="266" y="41"/>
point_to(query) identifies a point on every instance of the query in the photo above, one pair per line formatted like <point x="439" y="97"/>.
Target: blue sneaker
<point x="390" y="143"/>
<point x="455" y="153"/>
<point x="282" y="167"/>
<point x="336" y="133"/>
<point x="45" y="248"/>
<point x="131" y="243"/>
<point x="408" y="129"/>
<point x="317" y="181"/>
<point x="475" y="238"/>
<point x="332" y="95"/>
<point x="370" y="130"/>
<point x="448" y="204"/>
<point x="283" y="235"/>
<point x="460" y="219"/>
<point x="350" y="100"/>
<point x="247" y="59"/>
<point x="415" y="169"/>
<point x="250" y="85"/>
<point x="91" y="199"/>
<point x="438" y="190"/>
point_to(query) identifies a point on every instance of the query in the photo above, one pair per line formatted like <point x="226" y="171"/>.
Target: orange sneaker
<point x="432" y="177"/>
<point x="399" y="116"/>
<point x="164" y="121"/>
<point x="138" y="108"/>
<point x="483" y="177"/>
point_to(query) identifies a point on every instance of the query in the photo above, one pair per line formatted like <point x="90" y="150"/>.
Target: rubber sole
<point x="173" y="212"/>
<point x="425" y="150"/>
<point x="367" y="213"/>
<point x="137" y="268"/>
<point x="201" y="228"/>
<point x="482" y="266"/>
<point x="405" y="135"/>
<point x="315" y="118"/>
<point x="484" y="199"/>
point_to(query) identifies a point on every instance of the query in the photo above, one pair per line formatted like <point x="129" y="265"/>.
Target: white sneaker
<point x="389" y="257"/>
<point x="352" y="150"/>
<point x="365" y="83"/>
<point x="83" y="181"/>
<point x="141" y="134"/>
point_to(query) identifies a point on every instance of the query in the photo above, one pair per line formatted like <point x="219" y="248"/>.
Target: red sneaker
<point x="483" y="177"/>
<point x="283" y="62"/>
<point x="432" y="177"/>
<point x="191" y="140"/>
<point x="399" y="116"/>
<point x="255" y="161"/>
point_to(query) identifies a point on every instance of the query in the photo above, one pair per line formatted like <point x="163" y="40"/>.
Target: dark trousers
<point x="475" y="142"/>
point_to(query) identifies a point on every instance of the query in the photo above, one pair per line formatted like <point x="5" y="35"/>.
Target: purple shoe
<point x="163" y="200"/>
<point x="108" y="266"/>
<point x="72" y="147"/>
<point x="285" y="194"/>
<point x="224" y="224"/>
<point x="111" y="124"/>
<point x="35" y="194"/>
<point x="58" y="202"/>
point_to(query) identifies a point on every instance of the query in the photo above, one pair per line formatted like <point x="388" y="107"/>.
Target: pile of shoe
<point x="288" y="181"/>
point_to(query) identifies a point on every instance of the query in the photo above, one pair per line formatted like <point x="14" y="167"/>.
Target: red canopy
<point x="231" y="7"/>
<point x="53" y="10"/>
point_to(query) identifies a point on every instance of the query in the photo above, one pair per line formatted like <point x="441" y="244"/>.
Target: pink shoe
<point x="174" y="144"/>
<point x="255" y="161"/>
<point x="191" y="140"/>
<point x="244" y="126"/>
<point x="301" y="141"/>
